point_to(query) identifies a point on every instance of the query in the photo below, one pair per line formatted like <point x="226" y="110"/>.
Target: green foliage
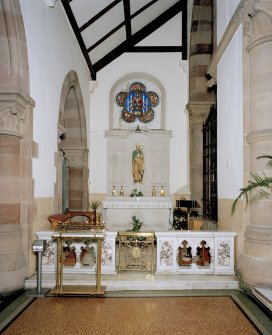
<point x="179" y="219"/>
<point x="261" y="183"/>
<point x="94" y="204"/>
<point x="136" y="193"/>
<point x="137" y="224"/>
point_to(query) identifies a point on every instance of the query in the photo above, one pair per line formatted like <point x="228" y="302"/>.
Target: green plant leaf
<point x="94" y="204"/>
<point x="261" y="183"/>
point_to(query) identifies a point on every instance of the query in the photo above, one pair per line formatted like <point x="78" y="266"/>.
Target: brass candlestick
<point x="113" y="193"/>
<point x="162" y="192"/>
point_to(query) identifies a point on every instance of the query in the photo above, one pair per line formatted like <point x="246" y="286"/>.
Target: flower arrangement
<point x="136" y="193"/>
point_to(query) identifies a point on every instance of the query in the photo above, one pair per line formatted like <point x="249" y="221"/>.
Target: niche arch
<point x="72" y="155"/>
<point x="123" y="83"/>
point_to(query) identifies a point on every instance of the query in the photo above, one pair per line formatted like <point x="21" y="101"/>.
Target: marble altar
<point x="155" y="212"/>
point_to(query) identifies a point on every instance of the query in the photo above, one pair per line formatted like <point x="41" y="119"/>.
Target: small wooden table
<point x="61" y="289"/>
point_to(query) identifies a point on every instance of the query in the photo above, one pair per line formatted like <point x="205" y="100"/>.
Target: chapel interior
<point x="128" y="129"/>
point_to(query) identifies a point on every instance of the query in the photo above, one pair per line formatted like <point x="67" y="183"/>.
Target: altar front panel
<point x="155" y="212"/>
<point x="220" y="244"/>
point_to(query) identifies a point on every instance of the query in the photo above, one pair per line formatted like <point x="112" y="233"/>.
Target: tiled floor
<point x="155" y="315"/>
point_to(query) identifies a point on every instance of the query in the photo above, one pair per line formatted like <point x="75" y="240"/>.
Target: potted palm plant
<point x="261" y="183"/>
<point x="94" y="204"/>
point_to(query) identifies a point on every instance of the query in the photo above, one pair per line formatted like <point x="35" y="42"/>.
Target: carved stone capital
<point x="198" y="111"/>
<point x="258" y="26"/>
<point x="15" y="114"/>
<point x="76" y="157"/>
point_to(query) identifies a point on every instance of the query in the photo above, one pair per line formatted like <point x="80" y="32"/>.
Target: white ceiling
<point x="105" y="28"/>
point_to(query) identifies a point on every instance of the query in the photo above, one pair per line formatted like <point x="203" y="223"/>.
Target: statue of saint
<point x="138" y="164"/>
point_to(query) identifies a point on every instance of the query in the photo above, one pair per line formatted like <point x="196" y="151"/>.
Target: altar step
<point x="142" y="281"/>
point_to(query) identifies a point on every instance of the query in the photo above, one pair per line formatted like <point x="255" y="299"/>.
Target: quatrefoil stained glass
<point x="137" y="103"/>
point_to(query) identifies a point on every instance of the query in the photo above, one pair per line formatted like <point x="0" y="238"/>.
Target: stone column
<point x="200" y="97"/>
<point x="198" y="113"/>
<point x="255" y="265"/>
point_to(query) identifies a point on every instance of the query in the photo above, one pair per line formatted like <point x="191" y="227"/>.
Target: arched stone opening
<point x="72" y="156"/>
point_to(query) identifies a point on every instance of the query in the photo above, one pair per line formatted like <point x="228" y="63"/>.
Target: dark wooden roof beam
<point x="98" y="15"/>
<point x="126" y="4"/>
<point x="102" y="39"/>
<point x="184" y="40"/>
<point x="139" y="11"/>
<point x="141" y="34"/>
<point x="81" y="43"/>
<point x="172" y="48"/>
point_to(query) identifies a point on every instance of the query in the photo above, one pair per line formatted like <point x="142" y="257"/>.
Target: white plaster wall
<point x="52" y="52"/>
<point x="169" y="70"/>
<point x="230" y="119"/>
<point x="225" y="11"/>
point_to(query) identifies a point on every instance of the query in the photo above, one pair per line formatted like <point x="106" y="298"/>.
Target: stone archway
<point x="72" y="186"/>
<point x="16" y="148"/>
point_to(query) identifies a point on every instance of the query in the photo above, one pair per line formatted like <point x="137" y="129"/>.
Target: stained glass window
<point x="137" y="103"/>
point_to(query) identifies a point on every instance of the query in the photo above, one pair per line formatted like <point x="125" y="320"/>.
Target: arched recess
<point x="141" y="76"/>
<point x="72" y="157"/>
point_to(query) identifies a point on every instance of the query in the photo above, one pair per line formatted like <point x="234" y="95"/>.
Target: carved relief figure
<point x="138" y="164"/>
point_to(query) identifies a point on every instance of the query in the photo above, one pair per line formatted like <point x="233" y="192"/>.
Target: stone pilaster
<point x="255" y="265"/>
<point x="16" y="196"/>
<point x="16" y="150"/>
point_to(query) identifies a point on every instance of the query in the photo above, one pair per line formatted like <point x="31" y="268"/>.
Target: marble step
<point x="142" y="281"/>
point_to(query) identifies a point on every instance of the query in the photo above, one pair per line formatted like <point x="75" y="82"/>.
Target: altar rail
<point x="49" y="259"/>
<point x="218" y="245"/>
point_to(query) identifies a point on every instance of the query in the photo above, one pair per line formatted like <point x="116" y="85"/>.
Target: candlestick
<point x="121" y="193"/>
<point x="113" y="193"/>
<point x="162" y="191"/>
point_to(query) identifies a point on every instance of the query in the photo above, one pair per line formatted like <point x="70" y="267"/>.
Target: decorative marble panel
<point x="221" y="251"/>
<point x="224" y="254"/>
<point x="108" y="254"/>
